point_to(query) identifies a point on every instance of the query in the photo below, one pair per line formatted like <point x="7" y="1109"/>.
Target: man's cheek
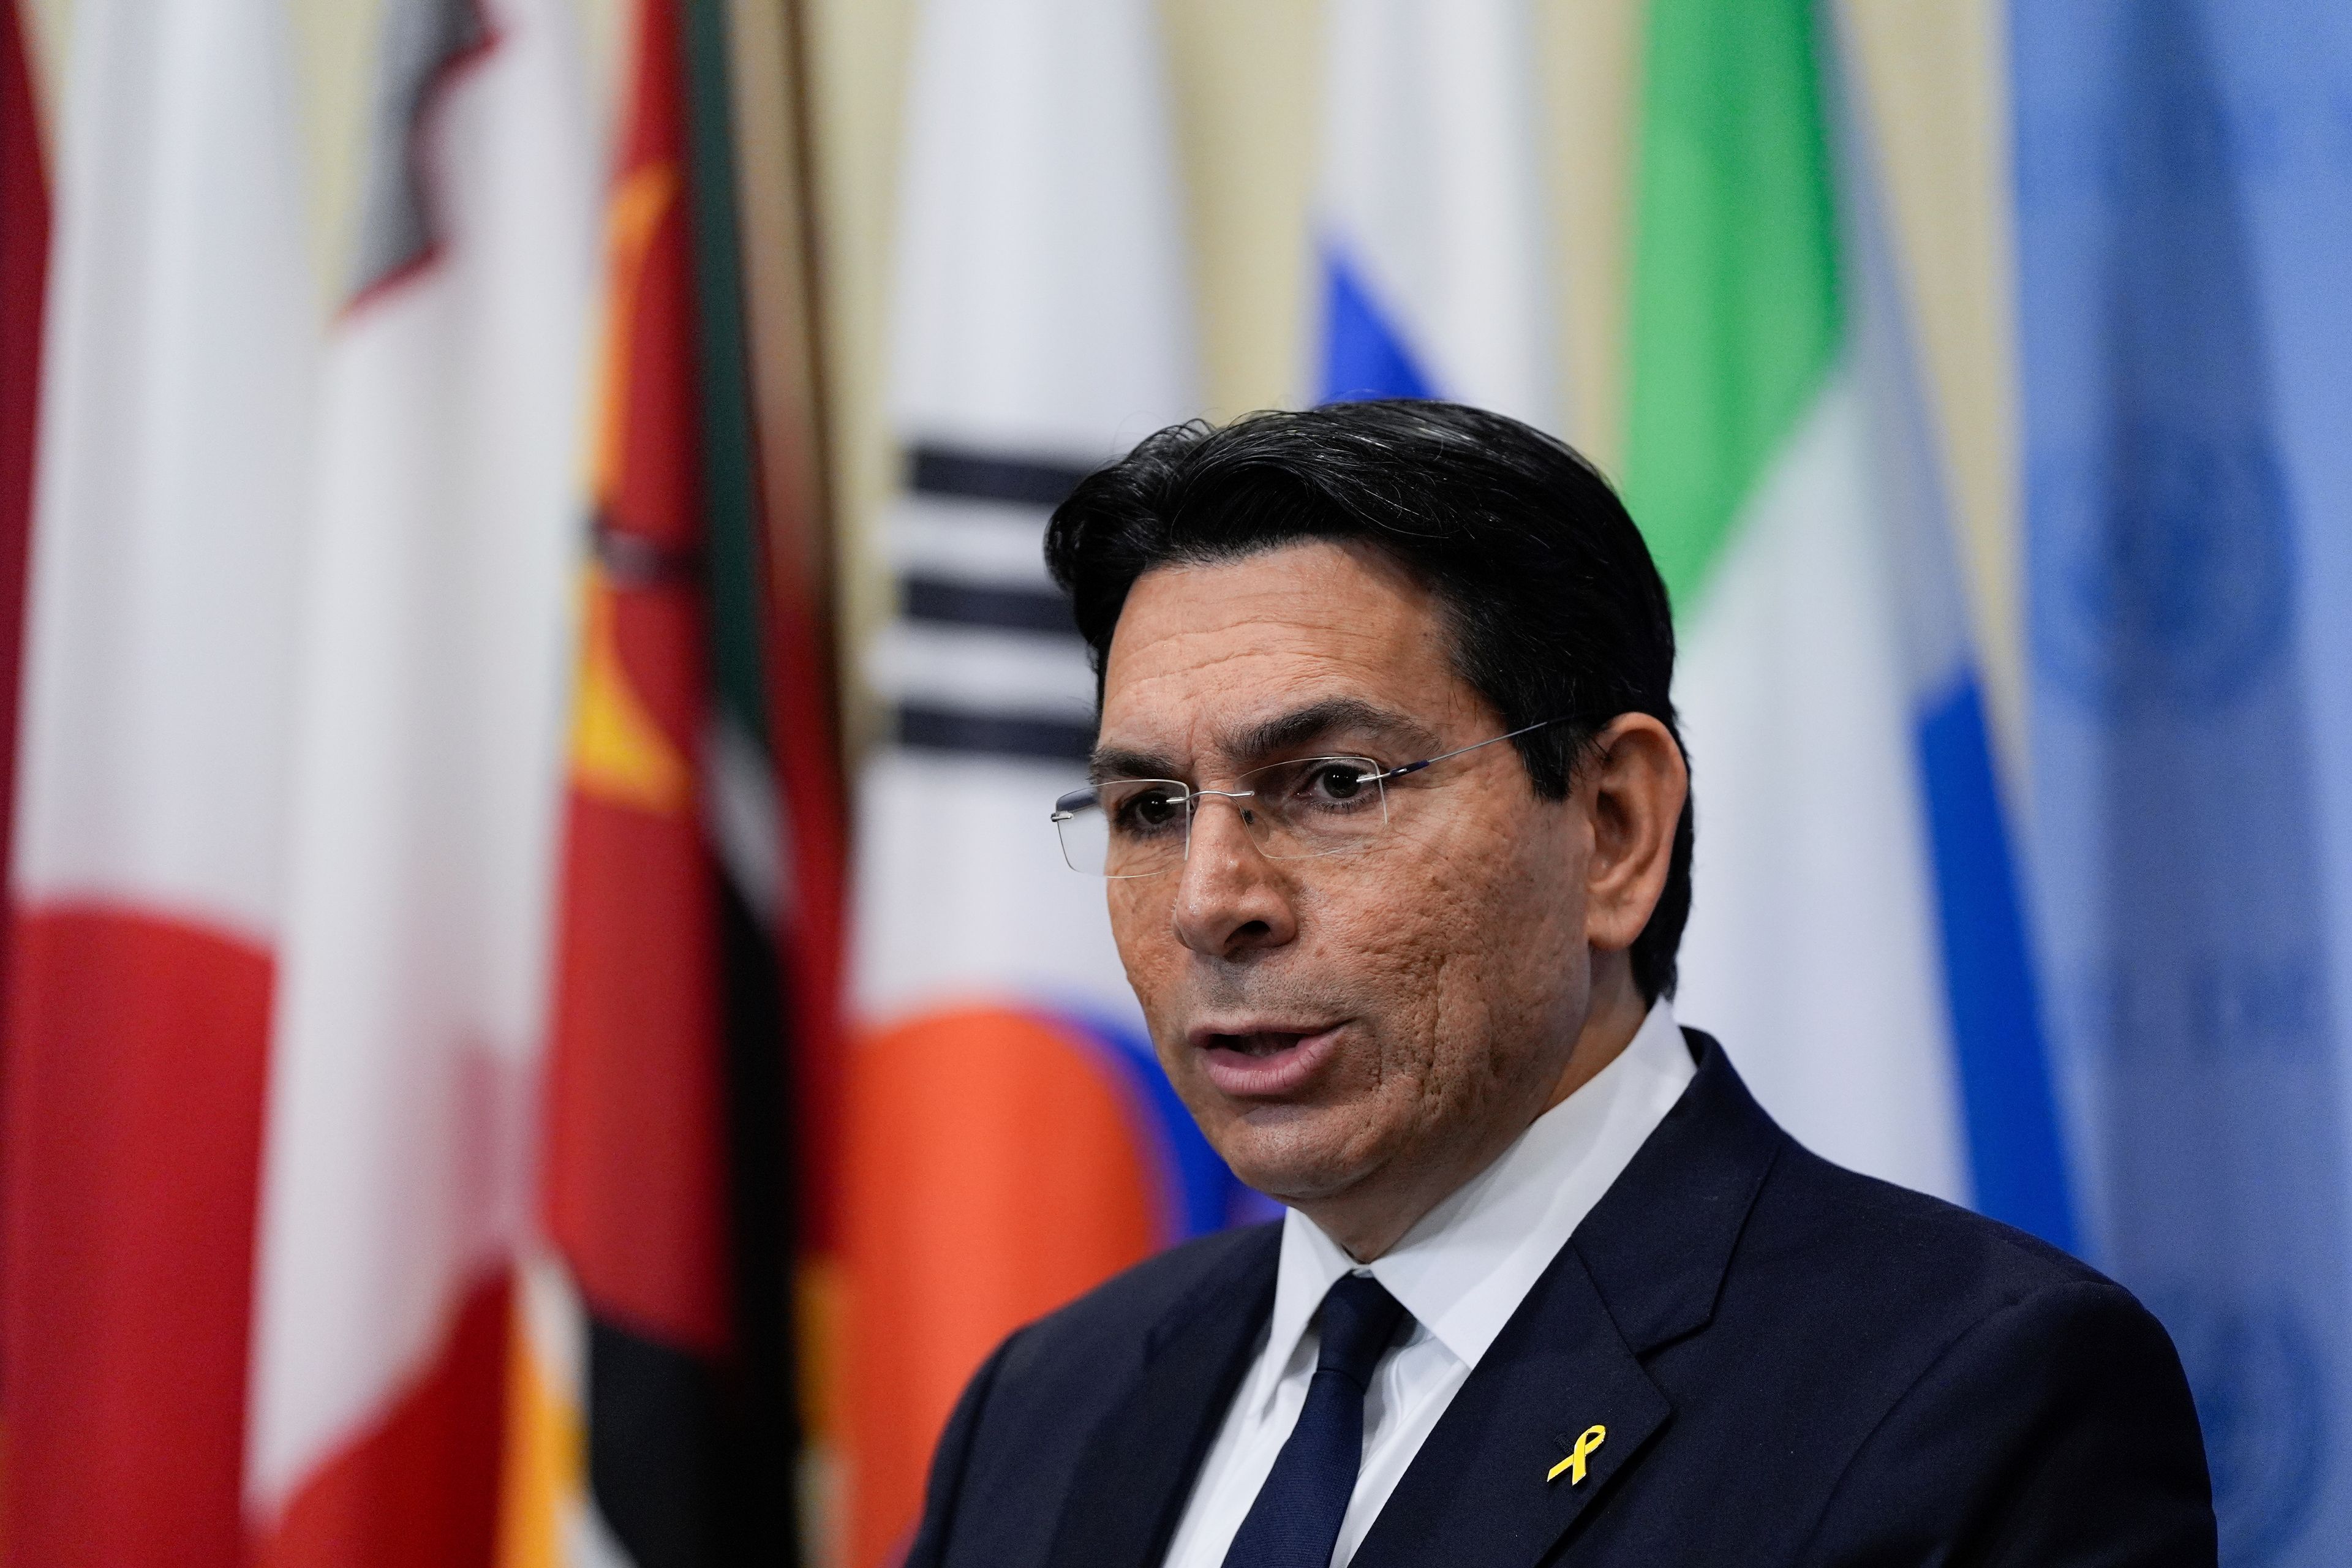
<point x="1151" y="970"/>
<point x="1398" y="949"/>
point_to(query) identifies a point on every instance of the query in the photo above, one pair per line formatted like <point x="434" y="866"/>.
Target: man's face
<point x="1356" y="1023"/>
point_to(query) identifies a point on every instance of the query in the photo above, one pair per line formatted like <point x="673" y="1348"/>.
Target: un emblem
<point x="2262" y="1389"/>
<point x="2162" y="570"/>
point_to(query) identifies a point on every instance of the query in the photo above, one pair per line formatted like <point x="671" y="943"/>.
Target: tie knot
<point x="1359" y="1318"/>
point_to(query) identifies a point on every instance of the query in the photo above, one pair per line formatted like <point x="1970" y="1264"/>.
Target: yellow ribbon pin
<point x="1574" y="1463"/>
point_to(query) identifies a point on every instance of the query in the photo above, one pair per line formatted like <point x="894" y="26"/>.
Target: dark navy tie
<point x="1295" y="1522"/>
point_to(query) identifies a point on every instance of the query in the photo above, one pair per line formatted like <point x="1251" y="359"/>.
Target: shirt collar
<point x="1463" y="1270"/>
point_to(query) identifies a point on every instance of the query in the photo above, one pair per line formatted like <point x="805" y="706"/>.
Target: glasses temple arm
<point x="1489" y="741"/>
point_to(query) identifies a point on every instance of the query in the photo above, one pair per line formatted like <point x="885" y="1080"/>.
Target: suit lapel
<point x="1659" y="1242"/>
<point x="1139" y="1468"/>
<point x="1643" y="1269"/>
<point x="1478" y="1491"/>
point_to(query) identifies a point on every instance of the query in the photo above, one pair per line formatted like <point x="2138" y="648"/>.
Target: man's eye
<point x="1337" y="781"/>
<point x="1149" y="810"/>
<point x="1333" y="784"/>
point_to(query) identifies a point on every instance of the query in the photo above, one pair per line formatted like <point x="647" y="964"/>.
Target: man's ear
<point x="1632" y="783"/>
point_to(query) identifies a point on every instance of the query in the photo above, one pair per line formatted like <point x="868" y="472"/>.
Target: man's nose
<point x="1230" y="899"/>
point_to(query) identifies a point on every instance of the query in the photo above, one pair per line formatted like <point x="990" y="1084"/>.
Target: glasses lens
<point x="1079" y="820"/>
<point x="1127" y="828"/>
<point x="1140" y="828"/>
<point x="1316" y="805"/>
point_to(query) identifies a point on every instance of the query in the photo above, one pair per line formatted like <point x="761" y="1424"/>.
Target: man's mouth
<point x="1264" y="1043"/>
<point x="1250" y="1062"/>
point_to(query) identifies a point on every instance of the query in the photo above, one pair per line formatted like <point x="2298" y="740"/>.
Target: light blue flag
<point x="2184" y="177"/>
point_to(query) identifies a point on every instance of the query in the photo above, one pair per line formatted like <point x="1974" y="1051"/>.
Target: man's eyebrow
<point x="1119" y="763"/>
<point x="1282" y="732"/>
<point x="1302" y="726"/>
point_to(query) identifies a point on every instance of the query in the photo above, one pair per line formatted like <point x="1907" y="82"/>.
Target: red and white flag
<point x="150" y="873"/>
<point x="427" y="728"/>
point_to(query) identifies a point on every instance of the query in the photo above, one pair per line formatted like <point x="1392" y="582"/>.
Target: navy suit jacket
<point x="1795" y="1365"/>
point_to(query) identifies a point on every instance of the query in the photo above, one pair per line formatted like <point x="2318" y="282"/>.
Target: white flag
<point x="1042" y="328"/>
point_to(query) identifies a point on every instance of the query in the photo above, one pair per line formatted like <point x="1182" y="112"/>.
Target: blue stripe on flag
<point x="1363" y="355"/>
<point x="2018" y="1167"/>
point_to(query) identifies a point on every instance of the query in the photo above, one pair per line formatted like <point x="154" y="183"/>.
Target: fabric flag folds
<point x="2184" y="211"/>
<point x="424" y="726"/>
<point x="653" y="1410"/>
<point x="1010" y="1139"/>
<point x="147" y="888"/>
<point x="395" y="1166"/>
<point x="1435" y="274"/>
<point x="1856" y="929"/>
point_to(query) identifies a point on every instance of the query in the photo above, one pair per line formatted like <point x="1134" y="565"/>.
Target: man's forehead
<point x="1230" y="660"/>
<point x="1313" y="601"/>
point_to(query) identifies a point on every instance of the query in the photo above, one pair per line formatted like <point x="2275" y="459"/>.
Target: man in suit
<point x="1396" y="833"/>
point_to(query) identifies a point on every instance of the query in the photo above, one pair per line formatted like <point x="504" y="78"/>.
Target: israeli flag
<point x="1432" y="244"/>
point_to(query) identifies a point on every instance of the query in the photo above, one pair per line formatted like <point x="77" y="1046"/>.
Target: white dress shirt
<point x="1461" y="1272"/>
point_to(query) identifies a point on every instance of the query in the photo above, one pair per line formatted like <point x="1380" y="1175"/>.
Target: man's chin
<point x="1293" y="1154"/>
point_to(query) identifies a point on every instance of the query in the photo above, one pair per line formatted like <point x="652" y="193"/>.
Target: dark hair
<point x="1557" y="610"/>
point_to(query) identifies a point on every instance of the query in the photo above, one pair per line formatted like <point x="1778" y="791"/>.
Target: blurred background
<point x="544" y="1023"/>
